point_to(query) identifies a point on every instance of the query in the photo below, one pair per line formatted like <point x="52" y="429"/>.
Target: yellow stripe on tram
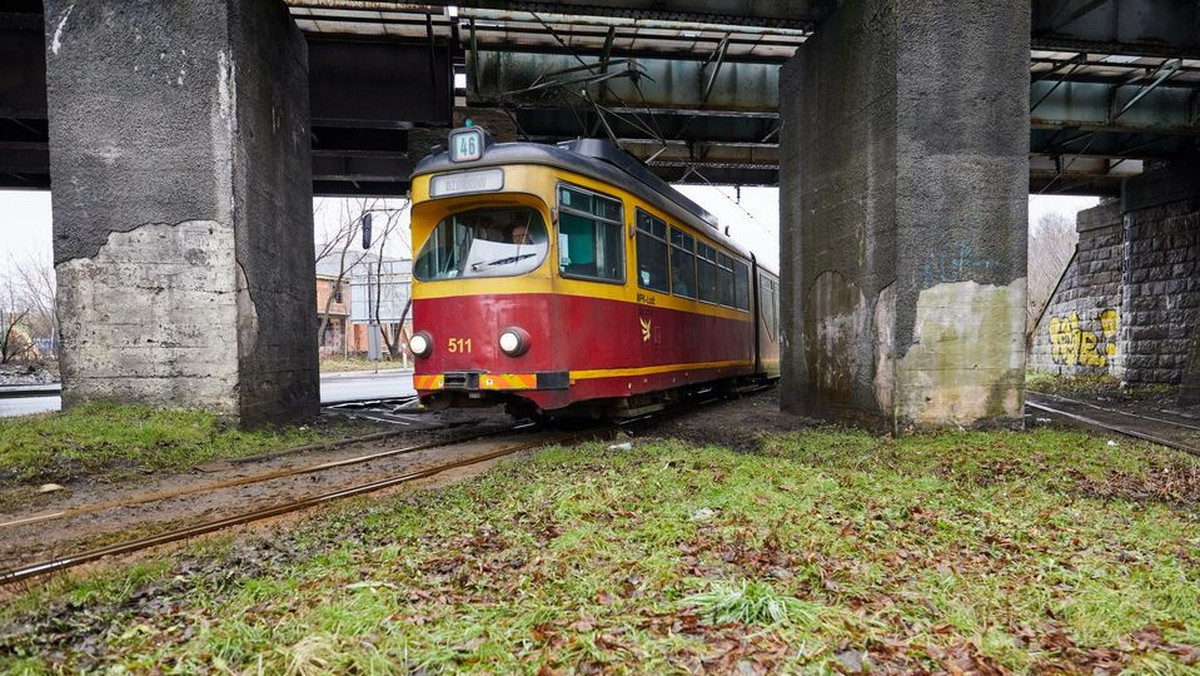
<point x="650" y="370"/>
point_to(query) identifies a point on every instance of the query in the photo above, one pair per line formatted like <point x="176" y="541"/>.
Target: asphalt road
<point x="359" y="385"/>
<point x="335" y="388"/>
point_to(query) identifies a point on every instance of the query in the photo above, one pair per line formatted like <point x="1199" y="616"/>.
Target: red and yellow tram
<point x="568" y="278"/>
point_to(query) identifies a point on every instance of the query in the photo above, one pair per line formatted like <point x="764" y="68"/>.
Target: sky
<point x="753" y="221"/>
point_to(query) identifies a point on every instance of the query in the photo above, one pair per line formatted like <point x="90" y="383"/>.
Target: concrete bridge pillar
<point x="183" y="205"/>
<point x="903" y="198"/>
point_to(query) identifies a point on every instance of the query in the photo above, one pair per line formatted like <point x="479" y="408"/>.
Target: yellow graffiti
<point x="1108" y="324"/>
<point x="1071" y="346"/>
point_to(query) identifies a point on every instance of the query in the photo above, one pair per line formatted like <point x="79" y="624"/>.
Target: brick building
<point x="345" y="332"/>
<point x="333" y="298"/>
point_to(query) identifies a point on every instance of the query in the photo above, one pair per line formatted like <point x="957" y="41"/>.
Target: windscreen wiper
<point x="502" y="261"/>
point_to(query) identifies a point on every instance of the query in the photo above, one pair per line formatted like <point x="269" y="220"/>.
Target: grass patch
<point x="339" y="365"/>
<point x="1095" y="386"/>
<point x="973" y="552"/>
<point x="109" y="441"/>
<point x="753" y="602"/>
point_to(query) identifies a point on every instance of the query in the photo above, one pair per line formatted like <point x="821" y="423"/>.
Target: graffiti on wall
<point x="1071" y="346"/>
<point x="959" y="266"/>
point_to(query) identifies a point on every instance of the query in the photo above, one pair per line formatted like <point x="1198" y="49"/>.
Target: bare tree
<point x="338" y="245"/>
<point x="1052" y="242"/>
<point x="37" y="292"/>
<point x="27" y="309"/>
<point x="14" y="342"/>
<point x="392" y="236"/>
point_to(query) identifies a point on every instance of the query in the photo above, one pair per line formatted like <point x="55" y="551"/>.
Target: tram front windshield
<point x="490" y="242"/>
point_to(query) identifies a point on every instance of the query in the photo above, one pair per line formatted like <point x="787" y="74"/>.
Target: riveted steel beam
<point x="1166" y="28"/>
<point x="799" y="14"/>
<point x="660" y="83"/>
<point x="1158" y="107"/>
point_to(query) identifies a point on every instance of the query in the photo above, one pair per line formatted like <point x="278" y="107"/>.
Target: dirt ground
<point x="29" y="374"/>
<point x="738" y="424"/>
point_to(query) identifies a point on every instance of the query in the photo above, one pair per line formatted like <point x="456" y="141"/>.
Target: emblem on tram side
<point x="645" y="322"/>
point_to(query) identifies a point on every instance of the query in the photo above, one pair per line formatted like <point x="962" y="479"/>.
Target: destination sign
<point x="483" y="180"/>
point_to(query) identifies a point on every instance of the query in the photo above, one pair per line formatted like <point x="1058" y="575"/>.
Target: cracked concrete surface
<point x="182" y="229"/>
<point x="156" y="294"/>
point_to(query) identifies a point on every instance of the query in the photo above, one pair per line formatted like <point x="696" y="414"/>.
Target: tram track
<point x="41" y="568"/>
<point x="1103" y="419"/>
<point x="158" y="496"/>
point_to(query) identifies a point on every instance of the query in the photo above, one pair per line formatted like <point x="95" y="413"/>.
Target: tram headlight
<point x="514" y="341"/>
<point x="421" y="344"/>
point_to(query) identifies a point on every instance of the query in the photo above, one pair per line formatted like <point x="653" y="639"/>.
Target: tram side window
<point x="590" y="242"/>
<point x="741" y="285"/>
<point x="652" y="252"/>
<point x="683" y="264"/>
<point x="706" y="268"/>
<point x="769" y="295"/>
<point x="725" y="274"/>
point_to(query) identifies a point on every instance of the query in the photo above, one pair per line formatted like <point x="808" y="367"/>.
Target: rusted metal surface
<point x="797" y="14"/>
<point x="657" y="83"/>
<point x="1148" y="27"/>
<point x="146" y="498"/>
<point x="138" y="544"/>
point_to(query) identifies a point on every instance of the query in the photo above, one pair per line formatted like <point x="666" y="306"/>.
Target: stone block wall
<point x="1129" y="303"/>
<point x="1161" y="293"/>
<point x="1078" y="333"/>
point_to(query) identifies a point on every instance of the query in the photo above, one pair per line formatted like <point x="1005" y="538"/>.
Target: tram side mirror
<point x="366" y="230"/>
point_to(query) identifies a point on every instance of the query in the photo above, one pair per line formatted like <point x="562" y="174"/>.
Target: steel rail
<point x="1117" y="411"/>
<point x="62" y="563"/>
<point x="1136" y="434"/>
<point x="254" y="478"/>
<point x="53" y="565"/>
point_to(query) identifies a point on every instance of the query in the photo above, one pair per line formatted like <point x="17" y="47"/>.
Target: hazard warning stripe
<point x="508" y="381"/>
<point x="429" y="382"/>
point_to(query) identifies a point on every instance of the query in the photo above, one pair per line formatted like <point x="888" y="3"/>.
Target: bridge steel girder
<point x="359" y="147"/>
<point x="1166" y="109"/>
<point x="24" y="139"/>
<point x="1116" y="120"/>
<point x="394" y="80"/>
<point x="800" y="14"/>
<point x="22" y="66"/>
<point x="1147" y="27"/>
<point x="653" y="83"/>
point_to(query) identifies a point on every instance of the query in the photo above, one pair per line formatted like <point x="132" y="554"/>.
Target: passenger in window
<point x="520" y="235"/>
